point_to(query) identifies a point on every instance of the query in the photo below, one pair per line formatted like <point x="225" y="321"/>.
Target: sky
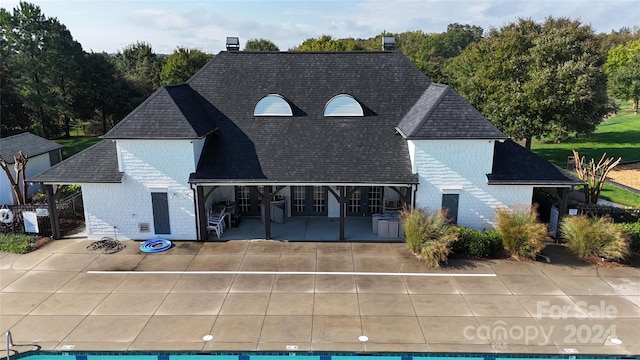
<point x="109" y="26"/>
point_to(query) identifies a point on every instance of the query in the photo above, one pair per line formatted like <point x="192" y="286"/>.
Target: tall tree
<point x="104" y="96"/>
<point x="41" y="58"/>
<point x="327" y="43"/>
<point x="436" y="50"/>
<point x="139" y="64"/>
<point x="260" y="45"/>
<point x="623" y="68"/>
<point x="182" y="64"/>
<point x="534" y="79"/>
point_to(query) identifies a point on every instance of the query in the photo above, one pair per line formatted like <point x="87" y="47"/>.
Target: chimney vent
<point x="233" y="44"/>
<point x="388" y="43"/>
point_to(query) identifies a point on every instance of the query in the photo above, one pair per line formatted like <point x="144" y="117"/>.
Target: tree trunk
<point x="527" y="143"/>
<point x="104" y="122"/>
<point x="67" y="126"/>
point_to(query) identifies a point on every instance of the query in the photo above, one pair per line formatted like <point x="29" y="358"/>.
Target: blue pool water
<point x="299" y="356"/>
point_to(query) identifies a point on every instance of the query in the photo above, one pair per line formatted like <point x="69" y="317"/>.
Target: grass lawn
<point x="618" y="136"/>
<point x="620" y="196"/>
<point x="74" y="145"/>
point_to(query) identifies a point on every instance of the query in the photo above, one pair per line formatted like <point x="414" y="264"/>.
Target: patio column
<point x="203" y="234"/>
<point x="343" y="202"/>
<point x="53" y="212"/>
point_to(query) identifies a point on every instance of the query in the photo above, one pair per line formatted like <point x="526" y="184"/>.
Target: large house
<point x="41" y="154"/>
<point x="333" y="134"/>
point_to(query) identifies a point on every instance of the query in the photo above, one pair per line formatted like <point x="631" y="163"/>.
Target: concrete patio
<point x="277" y="296"/>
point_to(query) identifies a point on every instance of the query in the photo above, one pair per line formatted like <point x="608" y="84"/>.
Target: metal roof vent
<point x="388" y="43"/>
<point x="233" y="44"/>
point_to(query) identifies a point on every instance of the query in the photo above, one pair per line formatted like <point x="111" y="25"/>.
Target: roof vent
<point x="233" y="44"/>
<point x="388" y="43"/>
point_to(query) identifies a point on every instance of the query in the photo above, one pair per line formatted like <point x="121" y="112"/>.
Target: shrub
<point x="429" y="234"/>
<point x="477" y="243"/>
<point x="471" y="242"/>
<point x="522" y="235"/>
<point x="496" y="245"/>
<point x="17" y="243"/>
<point x="632" y="232"/>
<point x="413" y="224"/>
<point x="594" y="236"/>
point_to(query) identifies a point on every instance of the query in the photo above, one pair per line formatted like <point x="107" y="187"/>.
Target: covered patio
<point x="305" y="228"/>
<point x="303" y="212"/>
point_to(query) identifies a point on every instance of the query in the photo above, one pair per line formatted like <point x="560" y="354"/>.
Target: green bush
<point x="632" y="232"/>
<point x="495" y="242"/>
<point x="17" y="243"/>
<point x="594" y="236"/>
<point x="477" y="243"/>
<point x="471" y="242"/>
<point x="522" y="235"/>
<point x="429" y="234"/>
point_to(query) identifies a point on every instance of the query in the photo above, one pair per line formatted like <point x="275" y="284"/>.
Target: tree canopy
<point x="182" y="64"/>
<point x="140" y="65"/>
<point x="623" y="67"/>
<point x="533" y="79"/>
<point x="260" y="45"/>
<point x="41" y="66"/>
<point x="530" y="79"/>
<point x="49" y="82"/>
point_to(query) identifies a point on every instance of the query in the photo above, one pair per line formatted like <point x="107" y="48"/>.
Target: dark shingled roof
<point x="441" y="113"/>
<point x="308" y="147"/>
<point x="96" y="164"/>
<point x="30" y="144"/>
<point x="514" y="164"/>
<point x="172" y="112"/>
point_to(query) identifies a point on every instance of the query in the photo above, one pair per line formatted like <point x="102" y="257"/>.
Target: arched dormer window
<point x="343" y="105"/>
<point x="273" y="105"/>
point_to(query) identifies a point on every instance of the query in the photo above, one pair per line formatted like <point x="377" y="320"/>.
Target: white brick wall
<point x="149" y="166"/>
<point x="461" y="167"/>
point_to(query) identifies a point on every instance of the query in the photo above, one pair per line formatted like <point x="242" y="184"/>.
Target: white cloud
<point x="104" y="25"/>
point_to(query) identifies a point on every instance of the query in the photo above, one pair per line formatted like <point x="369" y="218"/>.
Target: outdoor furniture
<point x="277" y="210"/>
<point x="215" y="222"/>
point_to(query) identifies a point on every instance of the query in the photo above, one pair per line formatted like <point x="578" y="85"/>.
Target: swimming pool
<point x="299" y="356"/>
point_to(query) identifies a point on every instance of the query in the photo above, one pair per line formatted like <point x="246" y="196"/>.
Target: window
<point x="343" y="105"/>
<point x="273" y="105"/>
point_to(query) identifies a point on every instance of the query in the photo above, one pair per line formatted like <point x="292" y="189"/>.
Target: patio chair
<point x="215" y="223"/>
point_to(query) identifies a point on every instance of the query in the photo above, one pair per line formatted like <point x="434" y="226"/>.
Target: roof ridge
<point x="438" y="99"/>
<point x="129" y="115"/>
<point x="436" y="103"/>
<point x="310" y="52"/>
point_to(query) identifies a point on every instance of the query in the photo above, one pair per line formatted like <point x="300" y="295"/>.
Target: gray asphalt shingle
<point x="96" y="164"/>
<point x="514" y="164"/>
<point x="172" y="112"/>
<point x="441" y="113"/>
<point x="30" y="144"/>
<point x="308" y="147"/>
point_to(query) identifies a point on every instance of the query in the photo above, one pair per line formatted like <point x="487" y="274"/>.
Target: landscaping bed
<point x="627" y="174"/>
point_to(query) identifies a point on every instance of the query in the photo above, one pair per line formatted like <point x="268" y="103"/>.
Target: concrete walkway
<point x="277" y="296"/>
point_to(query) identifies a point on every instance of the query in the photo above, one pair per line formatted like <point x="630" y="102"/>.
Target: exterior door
<point x="309" y="200"/>
<point x="160" y="204"/>
<point x="365" y="201"/>
<point x="450" y="203"/>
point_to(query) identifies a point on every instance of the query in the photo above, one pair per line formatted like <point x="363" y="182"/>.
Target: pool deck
<point x="285" y="296"/>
